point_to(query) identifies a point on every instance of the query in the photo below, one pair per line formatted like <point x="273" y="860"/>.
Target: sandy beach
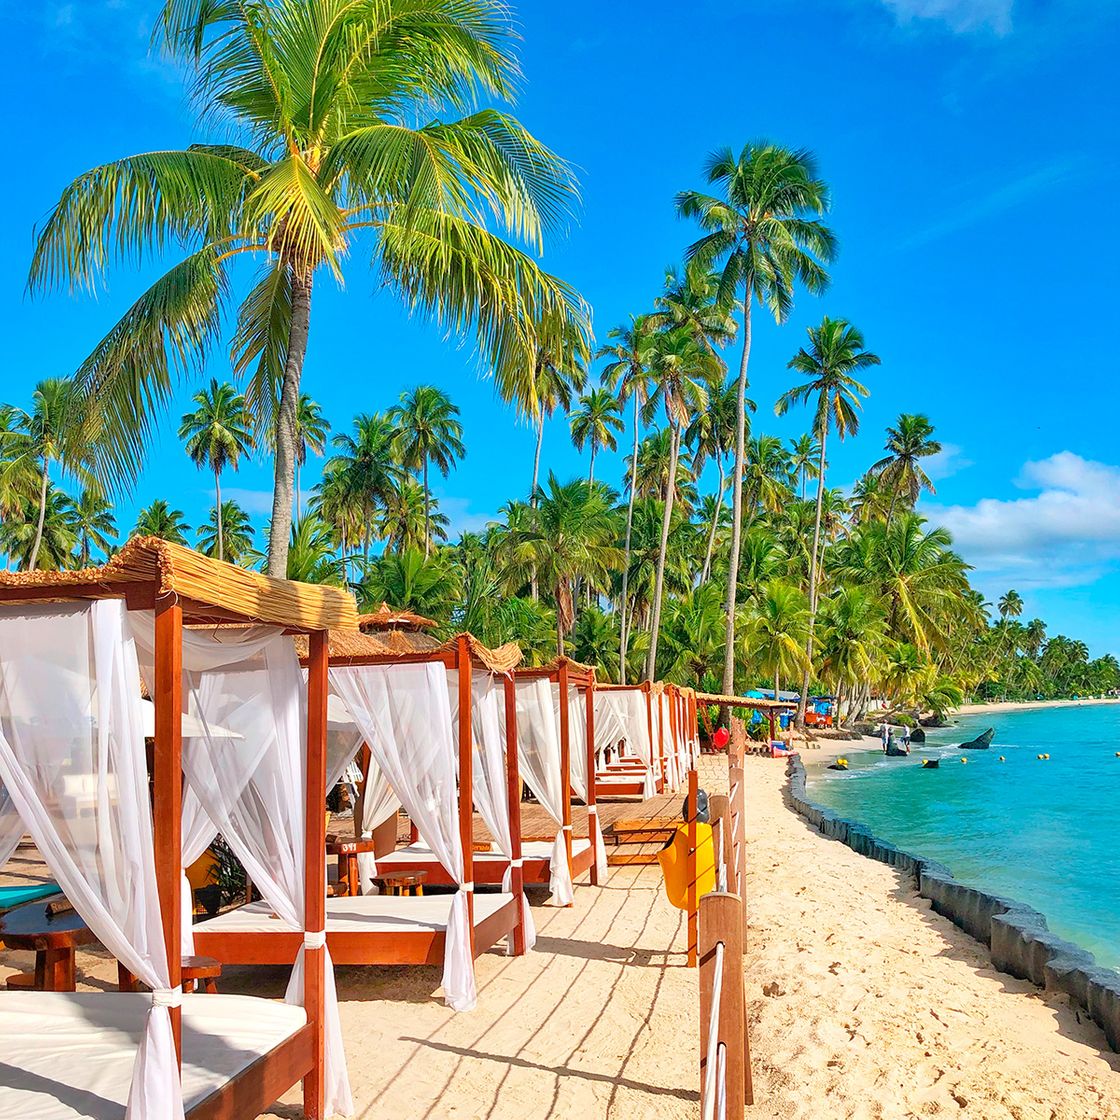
<point x="1017" y="705"/>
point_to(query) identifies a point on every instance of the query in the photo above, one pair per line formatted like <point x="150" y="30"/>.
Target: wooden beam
<point x="315" y="870"/>
<point x="513" y="794"/>
<point x="693" y="865"/>
<point x="167" y="790"/>
<point x="592" y="808"/>
<point x="466" y="775"/>
<point x="565" y="766"/>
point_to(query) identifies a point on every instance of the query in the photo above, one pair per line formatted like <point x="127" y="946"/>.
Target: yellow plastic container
<point x="674" y="864"/>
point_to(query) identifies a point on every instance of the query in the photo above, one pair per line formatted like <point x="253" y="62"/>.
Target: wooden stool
<point x="192" y="969"/>
<point x="402" y="883"/>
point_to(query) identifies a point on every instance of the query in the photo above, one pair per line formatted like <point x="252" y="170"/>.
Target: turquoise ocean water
<point x="1044" y="833"/>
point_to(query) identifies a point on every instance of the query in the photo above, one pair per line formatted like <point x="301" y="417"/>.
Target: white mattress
<point x="530" y="849"/>
<point x="365" y="914"/>
<point x="65" y="1055"/>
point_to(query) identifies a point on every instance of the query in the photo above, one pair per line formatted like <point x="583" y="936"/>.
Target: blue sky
<point x="971" y="146"/>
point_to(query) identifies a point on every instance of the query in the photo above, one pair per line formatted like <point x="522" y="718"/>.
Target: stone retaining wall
<point x="1017" y="936"/>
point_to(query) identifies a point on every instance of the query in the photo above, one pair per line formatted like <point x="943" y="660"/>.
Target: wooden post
<point x="592" y="808"/>
<point x="466" y="776"/>
<point x="721" y="920"/>
<point x="167" y="791"/>
<point x="654" y="763"/>
<point x="566" y="765"/>
<point x="315" y="868"/>
<point x="737" y="799"/>
<point x="719" y="813"/>
<point x="693" y="869"/>
<point x="513" y="793"/>
<point x="661" y="741"/>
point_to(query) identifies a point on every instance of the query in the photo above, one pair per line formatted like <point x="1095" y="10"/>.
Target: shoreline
<point x="998" y="706"/>
<point x="1018" y="938"/>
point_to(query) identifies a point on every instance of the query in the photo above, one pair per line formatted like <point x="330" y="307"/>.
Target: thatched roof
<point x="393" y="618"/>
<point x="148" y="568"/>
<point x="757" y="703"/>
<point x="397" y="645"/>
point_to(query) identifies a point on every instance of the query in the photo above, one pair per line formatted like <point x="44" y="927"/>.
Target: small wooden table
<point x="191" y="971"/>
<point x="401" y="882"/>
<point x="53" y="939"/>
<point x="348" y="852"/>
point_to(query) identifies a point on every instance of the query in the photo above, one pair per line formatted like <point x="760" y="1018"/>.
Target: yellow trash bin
<point x="674" y="864"/>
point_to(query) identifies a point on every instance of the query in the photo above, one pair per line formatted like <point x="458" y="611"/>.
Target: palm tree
<point x="836" y="351"/>
<point x="50" y="434"/>
<point x="767" y="476"/>
<point x="311" y="431"/>
<point x="711" y="435"/>
<point x="655" y="459"/>
<point x="320" y="153"/>
<point x="227" y="534"/>
<point x="160" y="520"/>
<point x="777" y="633"/>
<point x="365" y="469"/>
<point x="765" y="230"/>
<point x="628" y="375"/>
<point x="1010" y="605"/>
<point x="311" y="554"/>
<point x="94" y="523"/>
<point x="852" y="634"/>
<point x="217" y="433"/>
<point x="681" y="366"/>
<point x="908" y="442"/>
<point x="428" y="432"/>
<point x="804" y="453"/>
<point x="595" y="422"/>
<point x="570" y="537"/>
<point x="410" y="580"/>
<point x="44" y="531"/>
<point x="410" y="521"/>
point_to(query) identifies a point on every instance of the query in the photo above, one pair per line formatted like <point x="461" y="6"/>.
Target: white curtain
<point x="404" y="712"/>
<point x="638" y="737"/>
<point x="538" y="746"/>
<point x="72" y="760"/>
<point x="577" y="752"/>
<point x="11" y="826"/>
<point x="248" y="771"/>
<point x="488" y="770"/>
<point x="610" y="724"/>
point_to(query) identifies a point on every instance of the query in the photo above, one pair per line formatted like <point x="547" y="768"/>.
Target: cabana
<point x="638" y="768"/>
<point x="423" y="752"/>
<point x="72" y="760"/>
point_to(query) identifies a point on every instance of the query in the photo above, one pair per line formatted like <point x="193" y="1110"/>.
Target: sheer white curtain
<point x="610" y="723"/>
<point x="248" y="771"/>
<point x="72" y="760"/>
<point x="538" y="746"/>
<point x="488" y="751"/>
<point x="11" y="826"/>
<point x="379" y="802"/>
<point x="638" y="737"/>
<point x="577" y="743"/>
<point x="404" y="712"/>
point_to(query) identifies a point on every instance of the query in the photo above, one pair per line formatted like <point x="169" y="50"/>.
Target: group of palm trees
<point x="348" y="127"/>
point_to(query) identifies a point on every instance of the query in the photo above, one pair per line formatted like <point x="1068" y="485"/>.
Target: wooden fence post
<point x="693" y="865"/>
<point x="721" y="921"/>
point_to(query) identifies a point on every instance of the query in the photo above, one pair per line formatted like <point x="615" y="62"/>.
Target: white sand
<point x="1016" y="705"/>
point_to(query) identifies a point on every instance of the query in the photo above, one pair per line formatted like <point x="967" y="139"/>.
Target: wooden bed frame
<point x="183" y="587"/>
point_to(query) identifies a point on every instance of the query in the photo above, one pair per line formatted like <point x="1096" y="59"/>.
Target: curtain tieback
<point x="167" y="997"/>
<point x="467" y="887"/>
<point x="592" y="810"/>
<point x="567" y="828"/>
<point x="519" y="862"/>
<point x="313" y="939"/>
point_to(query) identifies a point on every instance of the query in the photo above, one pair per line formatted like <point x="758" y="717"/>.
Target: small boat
<point x="981" y="742"/>
<point x="839" y="764"/>
<point x="918" y="735"/>
<point x="930" y="763"/>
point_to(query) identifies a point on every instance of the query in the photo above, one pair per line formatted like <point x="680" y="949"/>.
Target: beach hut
<point x="72" y="760"/>
<point x="423" y="752"/>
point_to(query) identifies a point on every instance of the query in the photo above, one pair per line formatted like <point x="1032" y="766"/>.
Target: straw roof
<point x="757" y="703"/>
<point x="393" y="645"/>
<point x="393" y="618"/>
<point x="209" y="590"/>
<point x="504" y="659"/>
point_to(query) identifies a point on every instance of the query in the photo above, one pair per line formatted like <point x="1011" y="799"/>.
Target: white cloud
<point x="947" y="462"/>
<point x="1067" y="533"/>
<point x="960" y="16"/>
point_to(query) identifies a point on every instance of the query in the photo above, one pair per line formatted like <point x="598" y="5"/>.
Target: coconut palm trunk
<point x="218" y="513"/>
<point x="42" y="519"/>
<point x="591" y="469"/>
<point x="813" y="565"/>
<point x="427" y="512"/>
<point x="624" y="626"/>
<point x="737" y="502"/>
<point x="706" y="571"/>
<point x="659" y="584"/>
<point x="286" y="417"/>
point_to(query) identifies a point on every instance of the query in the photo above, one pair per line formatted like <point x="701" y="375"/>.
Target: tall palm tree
<point x="595" y="423"/>
<point x="777" y="632"/>
<point x="409" y="521"/>
<point x="160" y="520"/>
<point x="628" y="375"/>
<point x="227" y="533"/>
<point x="45" y="528"/>
<point x="50" y="435"/>
<point x="1010" y="605"/>
<point x="804" y="453"/>
<point x="429" y="431"/>
<point x="655" y="459"/>
<point x="310" y="434"/>
<point x="836" y="351"/>
<point x="321" y="153"/>
<point x="217" y="433"/>
<point x="765" y="232"/>
<point x="428" y="585"/>
<point x="94" y="523"/>
<point x="767" y="476"/>
<point x="572" y="536"/>
<point x="908" y="442"/>
<point x="681" y="366"/>
<point x="366" y="469"/>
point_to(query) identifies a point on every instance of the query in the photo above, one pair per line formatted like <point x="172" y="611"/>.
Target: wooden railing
<point x="725" y="1068"/>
